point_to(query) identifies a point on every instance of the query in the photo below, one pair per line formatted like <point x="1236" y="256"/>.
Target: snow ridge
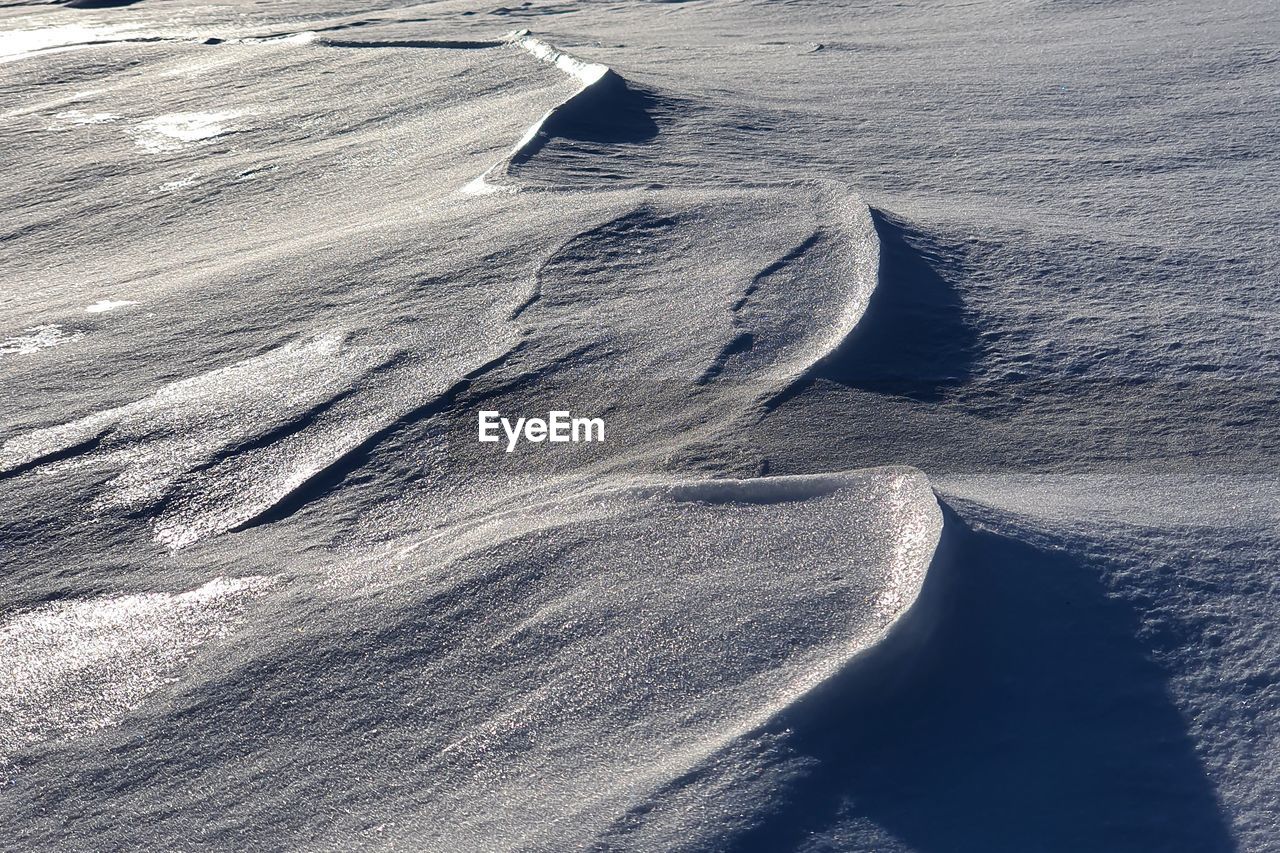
<point x="594" y="77"/>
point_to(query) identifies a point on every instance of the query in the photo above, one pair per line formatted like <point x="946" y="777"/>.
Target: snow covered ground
<point x="937" y="348"/>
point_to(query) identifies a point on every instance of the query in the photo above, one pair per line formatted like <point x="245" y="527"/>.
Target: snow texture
<point x="937" y="347"/>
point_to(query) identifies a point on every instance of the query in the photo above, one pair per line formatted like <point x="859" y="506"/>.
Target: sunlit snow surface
<point x="262" y="588"/>
<point x="20" y="40"/>
<point x="74" y="667"/>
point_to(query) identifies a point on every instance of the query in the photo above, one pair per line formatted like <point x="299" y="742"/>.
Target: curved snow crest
<point x="851" y="670"/>
<point x="858" y="266"/>
<point x="587" y="72"/>
<point x="803" y="305"/>
<point x="658" y="627"/>
<point x="909" y="497"/>
<point x="863" y="272"/>
<point x="590" y="74"/>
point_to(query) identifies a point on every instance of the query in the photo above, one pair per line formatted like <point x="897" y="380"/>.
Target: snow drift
<point x="629" y="646"/>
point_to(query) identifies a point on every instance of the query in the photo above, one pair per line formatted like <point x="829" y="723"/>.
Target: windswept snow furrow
<point x="196" y="419"/>
<point x="216" y="452"/>
<point x="274" y="480"/>
<point x="426" y="44"/>
<point x="22" y="44"/>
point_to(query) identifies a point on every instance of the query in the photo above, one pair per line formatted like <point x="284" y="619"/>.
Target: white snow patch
<point x="38" y="338"/>
<point x="77" y="117"/>
<point x="108" y="305"/>
<point x="180" y="184"/>
<point x="482" y="186"/>
<point x="172" y="131"/>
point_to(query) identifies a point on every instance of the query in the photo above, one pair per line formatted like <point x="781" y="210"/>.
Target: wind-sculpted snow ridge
<point x="788" y="276"/>
<point x="209" y="454"/>
<point x="630" y="648"/>
<point x="841" y="255"/>
<point x="596" y="79"/>
<point x="785" y="319"/>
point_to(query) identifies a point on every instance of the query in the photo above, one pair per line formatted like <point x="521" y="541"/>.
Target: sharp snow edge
<point x="591" y="75"/>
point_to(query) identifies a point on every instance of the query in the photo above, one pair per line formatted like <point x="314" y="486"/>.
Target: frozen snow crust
<point x="262" y="587"/>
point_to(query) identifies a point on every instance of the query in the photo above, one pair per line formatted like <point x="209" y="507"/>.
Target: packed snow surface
<point x="937" y="350"/>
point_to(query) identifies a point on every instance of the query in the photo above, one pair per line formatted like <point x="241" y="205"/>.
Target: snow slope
<point x="936" y="346"/>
